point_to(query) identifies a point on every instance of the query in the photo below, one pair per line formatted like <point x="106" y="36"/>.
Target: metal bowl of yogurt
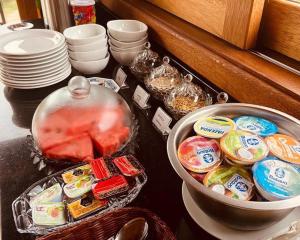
<point x="238" y="214"/>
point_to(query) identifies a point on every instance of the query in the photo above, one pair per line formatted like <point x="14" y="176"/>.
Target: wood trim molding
<point x="281" y="27"/>
<point x="27" y="9"/>
<point x="243" y="75"/>
<point x="235" y="21"/>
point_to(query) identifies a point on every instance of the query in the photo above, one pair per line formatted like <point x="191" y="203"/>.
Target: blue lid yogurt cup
<point x="276" y="179"/>
<point x="257" y="125"/>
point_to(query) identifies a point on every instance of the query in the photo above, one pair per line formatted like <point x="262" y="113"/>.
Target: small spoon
<point x="135" y="229"/>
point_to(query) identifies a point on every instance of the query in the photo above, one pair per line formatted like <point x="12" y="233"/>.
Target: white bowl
<point x="89" y="47"/>
<point x="137" y="48"/>
<point x="84" y="34"/>
<point x="89" y="56"/>
<point x="90" y="67"/>
<point x="126" y="44"/>
<point x="127" y="30"/>
<point x="124" y="57"/>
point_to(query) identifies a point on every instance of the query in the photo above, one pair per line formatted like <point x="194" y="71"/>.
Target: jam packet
<point x="128" y="166"/>
<point x="79" y="187"/>
<point x="86" y="205"/>
<point x="74" y="174"/>
<point x="112" y="186"/>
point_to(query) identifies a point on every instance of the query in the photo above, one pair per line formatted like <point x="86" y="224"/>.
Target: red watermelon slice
<point x="77" y="149"/>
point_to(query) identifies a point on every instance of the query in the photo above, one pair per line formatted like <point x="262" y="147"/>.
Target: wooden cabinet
<point x="236" y="21"/>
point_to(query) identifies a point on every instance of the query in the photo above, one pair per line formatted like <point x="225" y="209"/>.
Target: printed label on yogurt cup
<point x="207" y="156"/>
<point x="279" y="175"/>
<point x="239" y="186"/>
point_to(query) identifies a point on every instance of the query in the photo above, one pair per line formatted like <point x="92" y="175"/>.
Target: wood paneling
<point x="28" y="9"/>
<point x="243" y="75"/>
<point x="281" y="27"/>
<point x="235" y="21"/>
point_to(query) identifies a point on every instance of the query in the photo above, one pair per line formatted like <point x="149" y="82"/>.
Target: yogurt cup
<point x="276" y="179"/>
<point x="284" y="147"/>
<point x="244" y="146"/>
<point x="257" y="125"/>
<point x="231" y="181"/>
<point x="214" y="127"/>
<point x="199" y="154"/>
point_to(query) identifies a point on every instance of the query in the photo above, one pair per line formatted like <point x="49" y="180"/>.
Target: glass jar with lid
<point x="77" y="121"/>
<point x="144" y="62"/>
<point x="163" y="79"/>
<point x="186" y="97"/>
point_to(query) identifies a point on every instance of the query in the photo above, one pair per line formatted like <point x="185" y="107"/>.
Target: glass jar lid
<point x="163" y="79"/>
<point x="187" y="97"/>
<point x="145" y="61"/>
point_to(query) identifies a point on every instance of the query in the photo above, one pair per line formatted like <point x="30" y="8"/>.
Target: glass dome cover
<point x="80" y="120"/>
<point x="163" y="79"/>
<point x="186" y="98"/>
<point x="144" y="62"/>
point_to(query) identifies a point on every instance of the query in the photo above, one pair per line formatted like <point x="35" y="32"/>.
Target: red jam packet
<point x="112" y="186"/>
<point x="126" y="166"/>
<point x="100" y="169"/>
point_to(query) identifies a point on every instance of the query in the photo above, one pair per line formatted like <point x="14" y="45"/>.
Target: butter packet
<point x="51" y="194"/>
<point x="50" y="214"/>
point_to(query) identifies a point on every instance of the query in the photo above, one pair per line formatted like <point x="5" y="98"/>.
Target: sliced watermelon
<point x="78" y="149"/>
<point x="109" y="142"/>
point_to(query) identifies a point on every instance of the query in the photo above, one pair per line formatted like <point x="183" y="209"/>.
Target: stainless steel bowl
<point x="245" y="215"/>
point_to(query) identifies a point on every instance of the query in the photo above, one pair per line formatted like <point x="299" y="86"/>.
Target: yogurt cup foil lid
<point x="199" y="154"/>
<point x="244" y="146"/>
<point x="276" y="179"/>
<point x="257" y="125"/>
<point x="284" y="147"/>
<point x="214" y="127"/>
<point x="231" y="181"/>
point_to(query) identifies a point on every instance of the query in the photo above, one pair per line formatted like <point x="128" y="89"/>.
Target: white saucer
<point x="39" y="84"/>
<point x="40" y="70"/>
<point x="34" y="65"/>
<point x="33" y="59"/>
<point x="222" y="232"/>
<point x="33" y="42"/>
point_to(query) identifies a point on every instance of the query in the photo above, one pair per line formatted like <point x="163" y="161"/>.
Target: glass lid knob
<point x="79" y="87"/>
<point x="147" y="45"/>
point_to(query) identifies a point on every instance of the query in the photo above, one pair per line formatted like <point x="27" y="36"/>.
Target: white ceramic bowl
<point x="127" y="30"/>
<point x="137" y="48"/>
<point x="127" y="44"/>
<point x="89" y="47"/>
<point x="90" y="67"/>
<point x="89" y="56"/>
<point x="124" y="57"/>
<point x="84" y="34"/>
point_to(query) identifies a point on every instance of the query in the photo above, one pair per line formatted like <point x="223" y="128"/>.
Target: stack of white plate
<point x="33" y="58"/>
<point x="87" y="46"/>
<point x="126" y="39"/>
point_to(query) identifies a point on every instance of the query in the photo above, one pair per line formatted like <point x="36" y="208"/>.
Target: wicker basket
<point x="107" y="225"/>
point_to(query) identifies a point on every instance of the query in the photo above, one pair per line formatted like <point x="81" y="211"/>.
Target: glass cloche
<point x="144" y="62"/>
<point x="82" y="121"/>
<point x="162" y="80"/>
<point x="186" y="98"/>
